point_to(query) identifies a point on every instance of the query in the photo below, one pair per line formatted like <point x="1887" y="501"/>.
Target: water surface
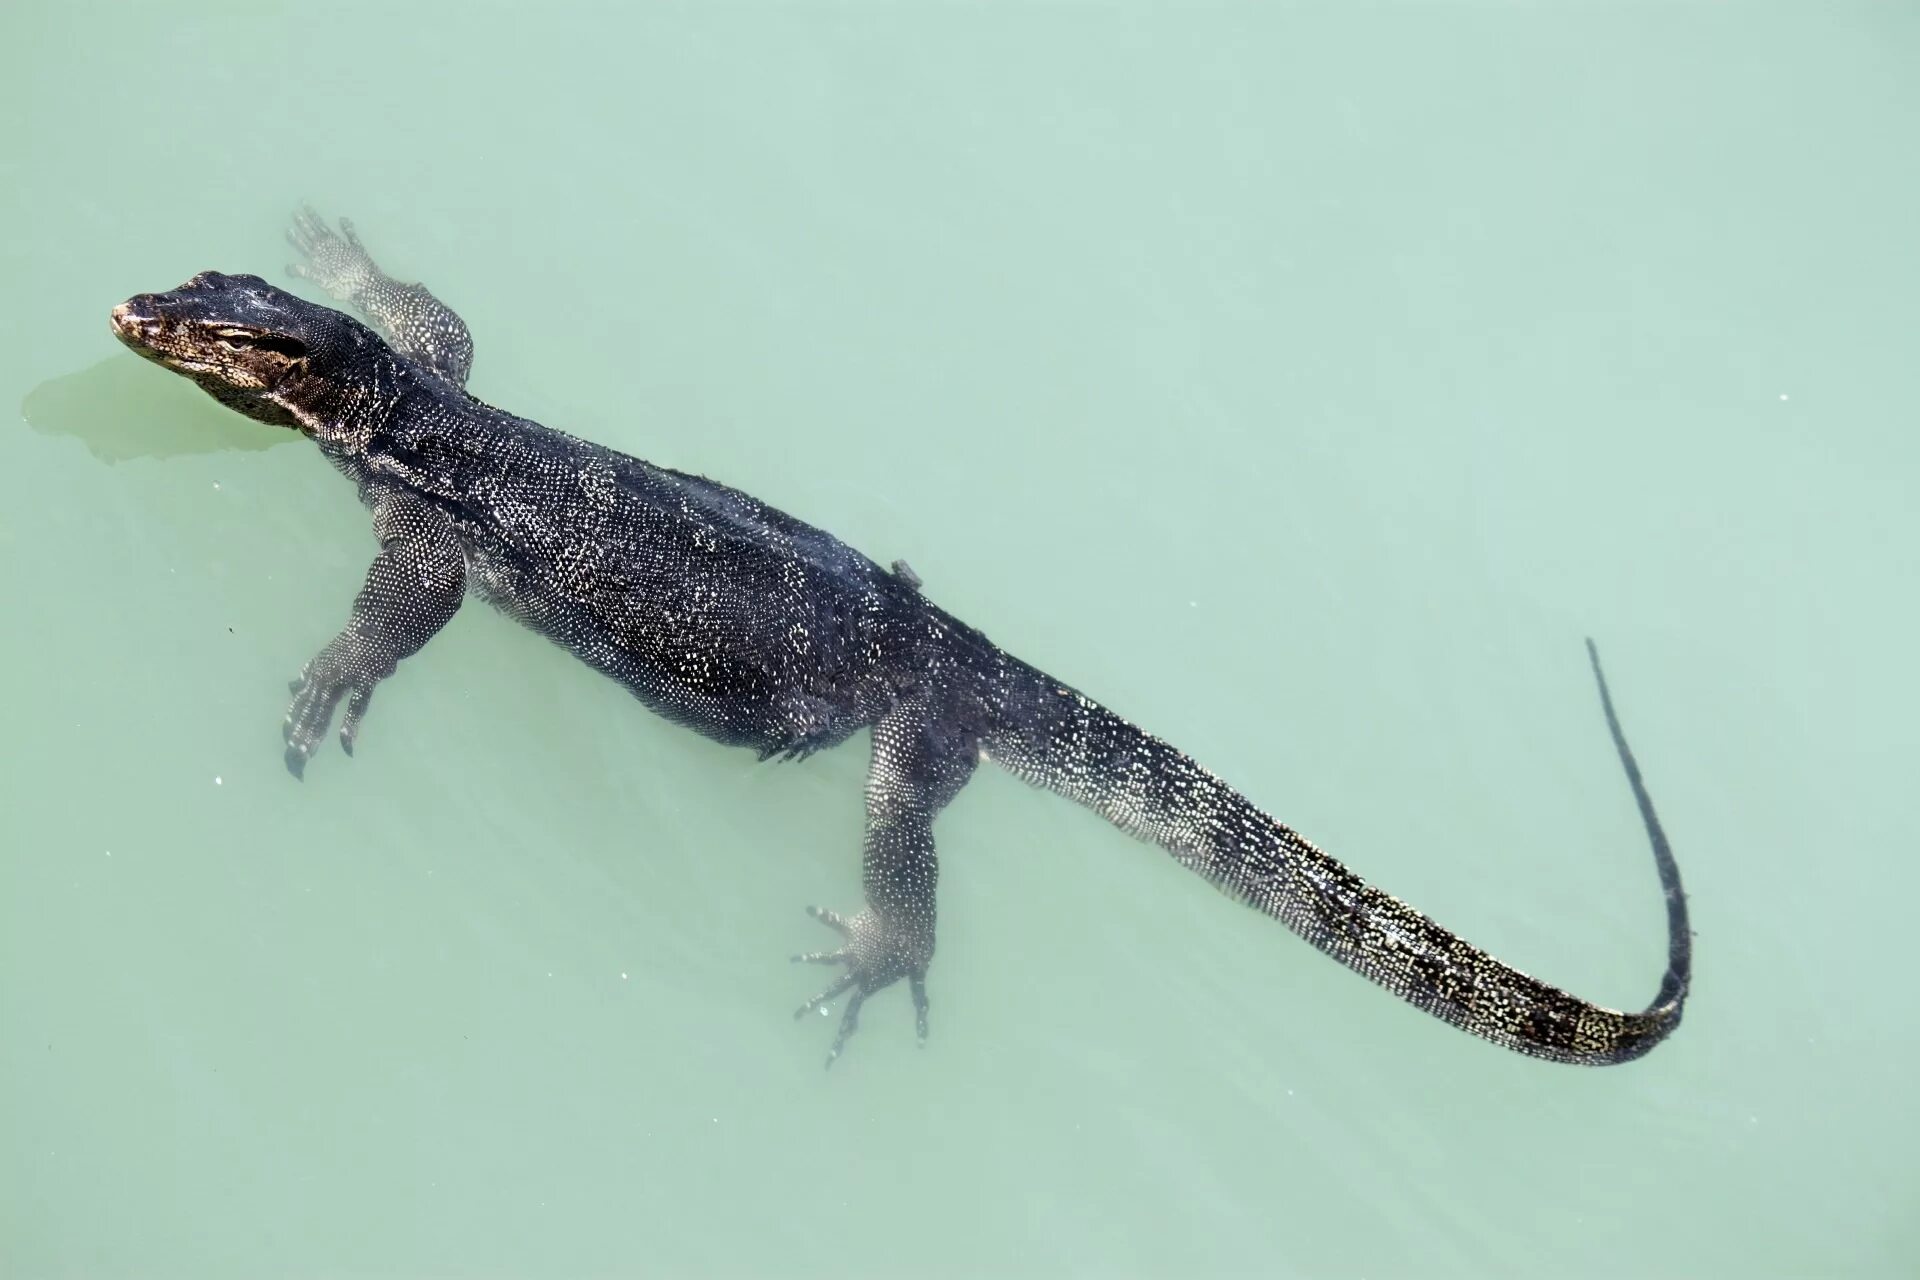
<point x="1303" y="381"/>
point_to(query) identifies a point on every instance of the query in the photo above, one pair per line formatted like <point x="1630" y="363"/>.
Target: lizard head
<point x="254" y="348"/>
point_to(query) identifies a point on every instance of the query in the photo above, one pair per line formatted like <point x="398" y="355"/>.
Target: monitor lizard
<point x="759" y="630"/>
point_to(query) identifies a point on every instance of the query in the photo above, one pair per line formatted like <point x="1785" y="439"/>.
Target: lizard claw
<point x="350" y="725"/>
<point x="917" y="983"/>
<point x="833" y="920"/>
<point x="849" y="1023"/>
<point x="336" y="260"/>
<point x="317" y="694"/>
<point x="878" y="953"/>
<point x="840" y="984"/>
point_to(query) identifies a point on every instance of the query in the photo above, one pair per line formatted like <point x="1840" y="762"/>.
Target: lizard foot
<point x="877" y="953"/>
<point x="316" y="694"/>
<point x="335" y="260"/>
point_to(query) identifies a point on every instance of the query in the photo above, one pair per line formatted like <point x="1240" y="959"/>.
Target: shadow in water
<point x="122" y="409"/>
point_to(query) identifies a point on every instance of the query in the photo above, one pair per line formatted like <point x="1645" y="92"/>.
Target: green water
<point x="1302" y="381"/>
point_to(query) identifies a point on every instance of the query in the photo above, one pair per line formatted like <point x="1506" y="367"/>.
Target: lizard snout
<point x="136" y="322"/>
<point x="133" y="315"/>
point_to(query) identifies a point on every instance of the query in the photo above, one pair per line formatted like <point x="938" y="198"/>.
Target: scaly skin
<point x="760" y="631"/>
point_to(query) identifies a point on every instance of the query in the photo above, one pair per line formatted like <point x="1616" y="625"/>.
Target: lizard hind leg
<point x="919" y="764"/>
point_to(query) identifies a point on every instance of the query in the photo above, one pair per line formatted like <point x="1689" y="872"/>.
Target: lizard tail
<point x="1056" y="738"/>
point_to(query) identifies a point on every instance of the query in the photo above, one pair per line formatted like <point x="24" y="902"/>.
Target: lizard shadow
<point x="120" y="411"/>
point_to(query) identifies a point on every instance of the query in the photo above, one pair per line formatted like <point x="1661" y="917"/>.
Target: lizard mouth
<point x="131" y="323"/>
<point x="140" y="328"/>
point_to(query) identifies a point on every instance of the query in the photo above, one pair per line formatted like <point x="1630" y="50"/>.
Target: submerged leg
<point x="412" y="589"/>
<point x="919" y="764"/>
<point x="413" y="321"/>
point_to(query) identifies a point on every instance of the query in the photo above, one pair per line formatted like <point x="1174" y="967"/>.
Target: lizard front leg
<point x="920" y="762"/>
<point x="408" y="316"/>
<point x="413" y="588"/>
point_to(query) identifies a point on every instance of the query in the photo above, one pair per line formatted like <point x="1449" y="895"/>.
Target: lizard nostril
<point x="130" y="316"/>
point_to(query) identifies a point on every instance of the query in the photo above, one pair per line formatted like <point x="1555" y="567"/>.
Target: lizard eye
<point x="248" y="339"/>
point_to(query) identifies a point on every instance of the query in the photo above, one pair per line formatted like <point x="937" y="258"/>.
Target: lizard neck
<point x="346" y="415"/>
